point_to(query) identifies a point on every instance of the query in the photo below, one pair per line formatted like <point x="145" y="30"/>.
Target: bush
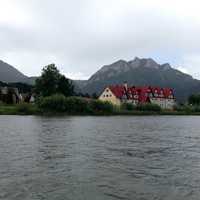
<point x="56" y="103"/>
<point x="148" y="107"/>
<point x="25" y="108"/>
<point x="74" y="105"/>
<point x="187" y="108"/>
<point x="194" y="99"/>
<point x="98" y="106"/>
<point x="77" y="105"/>
<point x="197" y="109"/>
<point x="182" y="108"/>
<point x="128" y="106"/>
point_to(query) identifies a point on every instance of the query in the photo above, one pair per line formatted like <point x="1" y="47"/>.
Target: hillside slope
<point x="143" y="72"/>
<point x="10" y="74"/>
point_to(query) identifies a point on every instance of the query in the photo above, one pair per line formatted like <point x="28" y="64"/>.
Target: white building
<point x="164" y="97"/>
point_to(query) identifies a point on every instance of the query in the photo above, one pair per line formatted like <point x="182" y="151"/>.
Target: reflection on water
<point x="99" y="158"/>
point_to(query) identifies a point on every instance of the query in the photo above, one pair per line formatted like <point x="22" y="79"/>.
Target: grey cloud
<point x="81" y="38"/>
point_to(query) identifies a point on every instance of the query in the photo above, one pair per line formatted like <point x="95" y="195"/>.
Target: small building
<point x="32" y="99"/>
<point x="9" y="95"/>
<point x="28" y="97"/>
<point x="118" y="94"/>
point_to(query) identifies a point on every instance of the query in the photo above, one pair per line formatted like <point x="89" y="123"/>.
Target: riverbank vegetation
<point x="55" y="95"/>
<point x="19" y="109"/>
<point x="60" y="105"/>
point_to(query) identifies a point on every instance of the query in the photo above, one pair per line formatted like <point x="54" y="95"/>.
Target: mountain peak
<point x="122" y="66"/>
<point x="121" y="61"/>
<point x="136" y="59"/>
<point x="151" y="63"/>
<point x="166" y="66"/>
<point x="143" y="71"/>
<point x="116" y="67"/>
<point x="10" y="74"/>
<point x="144" y="62"/>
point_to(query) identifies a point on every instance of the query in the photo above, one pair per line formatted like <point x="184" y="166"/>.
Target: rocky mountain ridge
<point x="143" y="72"/>
<point x="139" y="71"/>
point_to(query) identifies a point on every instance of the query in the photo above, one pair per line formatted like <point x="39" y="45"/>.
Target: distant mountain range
<point x="10" y="74"/>
<point x="141" y="72"/>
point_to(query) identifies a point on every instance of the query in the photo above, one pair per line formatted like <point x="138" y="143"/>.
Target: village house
<point x="9" y="95"/>
<point x="118" y="94"/>
<point x="28" y="97"/>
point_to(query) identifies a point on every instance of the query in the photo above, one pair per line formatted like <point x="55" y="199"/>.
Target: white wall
<point x="107" y="95"/>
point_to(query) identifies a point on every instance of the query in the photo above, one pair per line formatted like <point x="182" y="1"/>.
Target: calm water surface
<point x="99" y="158"/>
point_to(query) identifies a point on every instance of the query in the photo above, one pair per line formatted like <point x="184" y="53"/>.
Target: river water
<point x="100" y="158"/>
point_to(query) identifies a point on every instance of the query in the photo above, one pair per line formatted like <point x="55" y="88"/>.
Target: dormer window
<point x="124" y="97"/>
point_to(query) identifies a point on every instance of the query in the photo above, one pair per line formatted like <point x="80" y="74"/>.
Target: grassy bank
<point x="19" y="109"/>
<point x="61" y="105"/>
<point x="34" y="110"/>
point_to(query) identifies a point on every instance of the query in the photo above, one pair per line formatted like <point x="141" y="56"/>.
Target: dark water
<point x="99" y="158"/>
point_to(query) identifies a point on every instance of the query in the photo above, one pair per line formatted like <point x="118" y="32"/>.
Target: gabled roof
<point x="168" y="92"/>
<point x="135" y="93"/>
<point x="142" y="94"/>
<point x="117" y="90"/>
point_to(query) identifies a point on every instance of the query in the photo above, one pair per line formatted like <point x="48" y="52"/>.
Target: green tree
<point x="194" y="99"/>
<point x="86" y="95"/>
<point x="65" y="86"/>
<point x="52" y="82"/>
<point x="95" y="96"/>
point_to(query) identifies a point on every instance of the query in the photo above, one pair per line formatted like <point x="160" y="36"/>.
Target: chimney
<point x="126" y="85"/>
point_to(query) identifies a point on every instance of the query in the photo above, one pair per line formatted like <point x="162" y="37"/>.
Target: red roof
<point x="142" y="94"/>
<point x="168" y="92"/>
<point x="117" y="90"/>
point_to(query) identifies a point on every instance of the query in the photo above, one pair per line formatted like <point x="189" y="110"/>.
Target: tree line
<point x="55" y="93"/>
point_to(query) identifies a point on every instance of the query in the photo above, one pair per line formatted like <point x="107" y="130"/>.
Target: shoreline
<point x="34" y="111"/>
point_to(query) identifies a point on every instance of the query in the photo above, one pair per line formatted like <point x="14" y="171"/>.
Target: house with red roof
<point x="118" y="94"/>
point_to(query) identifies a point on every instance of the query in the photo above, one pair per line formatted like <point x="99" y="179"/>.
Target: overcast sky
<point x="80" y="36"/>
